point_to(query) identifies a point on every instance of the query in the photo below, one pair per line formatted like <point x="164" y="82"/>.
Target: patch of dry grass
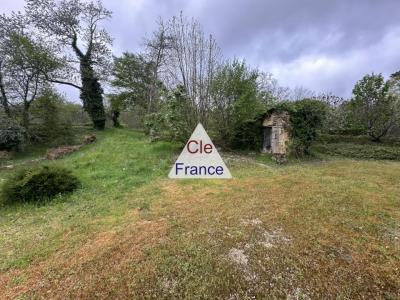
<point x="318" y="231"/>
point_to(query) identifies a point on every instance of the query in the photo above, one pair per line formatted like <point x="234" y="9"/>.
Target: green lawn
<point x="316" y="229"/>
<point x="117" y="164"/>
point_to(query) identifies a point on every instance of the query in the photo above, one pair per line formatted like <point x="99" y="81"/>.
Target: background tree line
<point x="179" y="78"/>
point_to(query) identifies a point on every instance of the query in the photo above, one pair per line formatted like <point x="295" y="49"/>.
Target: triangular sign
<point x="199" y="159"/>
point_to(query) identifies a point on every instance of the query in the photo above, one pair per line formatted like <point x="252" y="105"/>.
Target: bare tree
<point x="331" y="99"/>
<point x="300" y="93"/>
<point x="156" y="51"/>
<point x="192" y="62"/>
<point x="270" y="88"/>
<point x="73" y="28"/>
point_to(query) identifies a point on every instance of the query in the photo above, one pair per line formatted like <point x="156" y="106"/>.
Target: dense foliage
<point x="306" y="119"/>
<point x="133" y="77"/>
<point x="92" y="95"/>
<point x="24" y="64"/>
<point x="12" y="135"/>
<point x="172" y="122"/>
<point x="50" y="119"/>
<point x="248" y="135"/>
<point x="39" y="183"/>
<point x="237" y="106"/>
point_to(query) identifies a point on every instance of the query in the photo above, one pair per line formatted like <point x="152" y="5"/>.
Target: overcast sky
<point x="323" y="45"/>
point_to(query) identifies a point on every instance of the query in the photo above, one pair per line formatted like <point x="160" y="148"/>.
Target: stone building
<point x="276" y="133"/>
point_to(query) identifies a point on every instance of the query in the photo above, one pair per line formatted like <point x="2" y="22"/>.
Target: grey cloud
<point x="320" y="44"/>
<point x="304" y="23"/>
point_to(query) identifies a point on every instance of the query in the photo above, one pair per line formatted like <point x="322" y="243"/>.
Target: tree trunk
<point x="3" y="96"/>
<point x="6" y="108"/>
<point x="25" y="116"/>
<point x="376" y="139"/>
<point x="91" y="94"/>
<point x="115" y="116"/>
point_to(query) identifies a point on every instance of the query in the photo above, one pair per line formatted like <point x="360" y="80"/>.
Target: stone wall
<point x="279" y="124"/>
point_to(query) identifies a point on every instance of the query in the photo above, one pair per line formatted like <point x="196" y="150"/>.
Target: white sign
<point x="199" y="159"/>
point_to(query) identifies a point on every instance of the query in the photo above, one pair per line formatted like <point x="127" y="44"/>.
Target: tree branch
<point x="75" y="45"/>
<point x="63" y="82"/>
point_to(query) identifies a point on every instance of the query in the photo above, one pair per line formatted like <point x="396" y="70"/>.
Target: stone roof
<point x="280" y="119"/>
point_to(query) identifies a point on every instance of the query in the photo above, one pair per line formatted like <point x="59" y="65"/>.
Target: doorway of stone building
<point x="267" y="139"/>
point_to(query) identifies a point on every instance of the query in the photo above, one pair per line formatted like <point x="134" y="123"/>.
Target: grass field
<point x="307" y="230"/>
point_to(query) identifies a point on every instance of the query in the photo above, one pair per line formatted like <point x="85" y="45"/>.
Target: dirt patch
<point x="297" y="294"/>
<point x="5" y="155"/>
<point x="394" y="235"/>
<point x="268" y="238"/>
<point x="253" y="222"/>
<point x="271" y="238"/>
<point x="241" y="261"/>
<point x="60" y="152"/>
<point x="238" y="257"/>
<point x="91" y="138"/>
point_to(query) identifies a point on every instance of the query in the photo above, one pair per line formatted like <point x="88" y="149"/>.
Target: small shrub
<point x="40" y="183"/>
<point x="12" y="135"/>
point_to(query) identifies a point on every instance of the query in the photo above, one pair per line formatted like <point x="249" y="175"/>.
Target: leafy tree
<point x="171" y="122"/>
<point x="50" y="123"/>
<point x="133" y="77"/>
<point x="374" y="106"/>
<point x="3" y="94"/>
<point x="73" y="28"/>
<point x="24" y="63"/>
<point x="236" y="102"/>
<point x="395" y="82"/>
<point x="176" y="116"/>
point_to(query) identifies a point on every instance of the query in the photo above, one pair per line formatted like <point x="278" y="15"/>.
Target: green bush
<point x="12" y="135"/>
<point x="40" y="183"/>
<point x="359" y="151"/>
<point x="154" y="125"/>
<point x="357" y="139"/>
